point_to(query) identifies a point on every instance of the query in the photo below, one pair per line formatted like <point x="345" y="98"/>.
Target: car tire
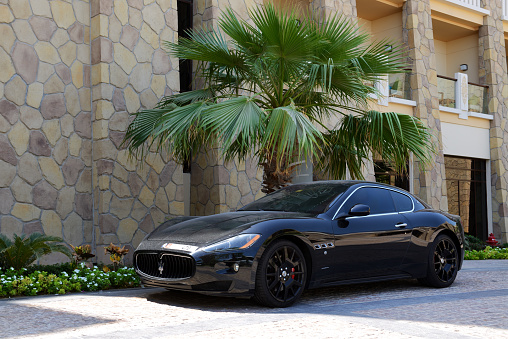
<point x="443" y="263"/>
<point x="281" y="275"/>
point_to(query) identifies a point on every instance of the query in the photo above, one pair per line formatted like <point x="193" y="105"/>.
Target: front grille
<point x="173" y="266"/>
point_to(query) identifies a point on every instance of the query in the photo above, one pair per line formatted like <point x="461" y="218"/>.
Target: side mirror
<point x="359" y="210"/>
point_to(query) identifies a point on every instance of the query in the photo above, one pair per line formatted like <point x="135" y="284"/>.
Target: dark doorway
<point x="184" y="25"/>
<point x="386" y="174"/>
<point x="466" y="185"/>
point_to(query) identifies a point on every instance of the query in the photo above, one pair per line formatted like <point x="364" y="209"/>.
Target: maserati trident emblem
<point x="161" y="266"/>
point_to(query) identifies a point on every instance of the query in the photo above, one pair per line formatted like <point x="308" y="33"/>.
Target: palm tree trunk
<point x="274" y="179"/>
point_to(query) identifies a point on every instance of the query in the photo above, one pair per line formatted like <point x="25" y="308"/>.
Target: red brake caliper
<point x="292" y="275"/>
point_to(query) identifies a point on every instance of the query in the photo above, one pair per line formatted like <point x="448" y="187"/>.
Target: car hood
<point x="209" y="229"/>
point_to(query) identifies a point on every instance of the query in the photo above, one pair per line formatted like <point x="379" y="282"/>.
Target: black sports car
<point x="305" y="236"/>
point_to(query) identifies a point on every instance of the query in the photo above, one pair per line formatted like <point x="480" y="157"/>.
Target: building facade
<point x="73" y="72"/>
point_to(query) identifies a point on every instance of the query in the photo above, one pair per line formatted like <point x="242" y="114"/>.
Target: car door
<point x="370" y="245"/>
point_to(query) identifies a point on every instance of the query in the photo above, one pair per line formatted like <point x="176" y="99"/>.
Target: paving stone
<point x="21" y="9"/>
<point x="43" y="27"/>
<point x="53" y="106"/>
<point x="129" y="37"/>
<point x="45" y="196"/>
<point x="65" y="201"/>
<point x="25" y="212"/>
<point x="60" y="151"/>
<point x="108" y="223"/>
<point x="63" y="13"/>
<point x="6" y="201"/>
<point x="10" y="226"/>
<point x="15" y="90"/>
<point x="73" y="229"/>
<point x="7" y="152"/>
<point x="51" y="172"/>
<point x="18" y="137"/>
<point x="53" y="85"/>
<point x="33" y="227"/>
<point x="52" y="131"/>
<point x="47" y="53"/>
<point x="34" y="97"/>
<point x="38" y="144"/>
<point x="6" y="66"/>
<point x="25" y="62"/>
<point x="83" y="126"/>
<point x="51" y="223"/>
<point x="64" y="73"/>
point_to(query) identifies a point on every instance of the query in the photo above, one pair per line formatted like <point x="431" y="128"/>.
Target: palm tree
<point x="24" y="250"/>
<point x="268" y="90"/>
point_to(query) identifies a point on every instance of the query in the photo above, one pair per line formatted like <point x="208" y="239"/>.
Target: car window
<point x="403" y="203"/>
<point x="378" y="199"/>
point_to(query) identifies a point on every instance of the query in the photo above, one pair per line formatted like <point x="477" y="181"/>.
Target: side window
<point x="402" y="202"/>
<point x="379" y="200"/>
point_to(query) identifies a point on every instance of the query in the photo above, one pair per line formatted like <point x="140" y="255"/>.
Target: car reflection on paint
<point x="305" y="236"/>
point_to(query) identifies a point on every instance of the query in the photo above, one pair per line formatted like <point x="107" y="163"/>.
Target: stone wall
<point x="131" y="71"/>
<point x="45" y="130"/>
<point x="492" y="62"/>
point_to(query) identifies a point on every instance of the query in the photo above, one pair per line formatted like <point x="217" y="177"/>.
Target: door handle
<point x="400" y="225"/>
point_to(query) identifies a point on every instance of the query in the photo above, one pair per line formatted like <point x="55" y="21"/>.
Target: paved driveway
<point x="475" y="306"/>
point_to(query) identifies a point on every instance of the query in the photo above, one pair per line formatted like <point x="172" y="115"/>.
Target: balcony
<point x="457" y="95"/>
<point x="398" y="85"/>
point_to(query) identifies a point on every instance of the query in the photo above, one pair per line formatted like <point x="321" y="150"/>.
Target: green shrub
<point x="23" y="250"/>
<point x="487" y="253"/>
<point x="473" y="243"/>
<point x="33" y="282"/>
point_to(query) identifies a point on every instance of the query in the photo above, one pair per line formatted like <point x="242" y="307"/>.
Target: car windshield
<point x="310" y="198"/>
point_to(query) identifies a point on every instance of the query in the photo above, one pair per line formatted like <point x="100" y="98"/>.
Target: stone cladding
<point x="418" y="36"/>
<point x="493" y="72"/>
<point x="45" y="110"/>
<point x="131" y="71"/>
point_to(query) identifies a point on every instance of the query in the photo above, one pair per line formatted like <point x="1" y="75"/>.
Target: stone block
<point x="160" y="63"/>
<point x="119" y="188"/>
<point x="41" y="8"/>
<point x="45" y="71"/>
<point x="43" y="27"/>
<point x="24" y="32"/>
<point x="102" y="50"/>
<point x="60" y="37"/>
<point x="155" y="161"/>
<point x="124" y="58"/>
<point x="149" y="36"/>
<point x="6" y="14"/>
<point x="53" y="106"/>
<point x="135" y="3"/>
<point x="139" y="211"/>
<point x="15" y="90"/>
<point x="6" y="66"/>
<point x="7" y="152"/>
<point x="157" y="215"/>
<point x="26" y="212"/>
<point x="9" y="111"/>
<point x="120" y="208"/>
<point x="21" y="9"/>
<point x="138" y="237"/>
<point x="10" y="226"/>
<point x="77" y="74"/>
<point x="74" y="145"/>
<point x="67" y="125"/>
<point x="108" y="223"/>
<point x="73" y="229"/>
<point x="51" y="172"/>
<point x="158" y="85"/>
<point x="146" y="197"/>
<point x="161" y="201"/>
<point x="121" y="11"/>
<point x="82" y="10"/>
<point x="84" y="205"/>
<point x="176" y="208"/>
<point x="83" y="126"/>
<point x="72" y="100"/>
<point x="120" y="173"/>
<point x="25" y="62"/>
<point x="18" y="137"/>
<point x="33" y="98"/>
<point x="45" y="196"/>
<point x="143" y="51"/>
<point x="154" y="17"/>
<point x="52" y="131"/>
<point x="54" y="85"/>
<point x="129" y="37"/>
<point x="153" y="181"/>
<point x="71" y="170"/>
<point x="8" y="37"/>
<point x="126" y="230"/>
<point x="28" y="169"/>
<point x="33" y="227"/>
<point x="6" y="201"/>
<point x="131" y="100"/>
<point x="147" y="224"/>
<point x="60" y="152"/>
<point x="63" y="13"/>
<point x="47" y="53"/>
<point x="135" y="18"/>
<point x="51" y="223"/>
<point x="21" y="190"/>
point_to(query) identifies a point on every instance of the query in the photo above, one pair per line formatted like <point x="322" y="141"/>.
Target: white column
<point x="461" y="95"/>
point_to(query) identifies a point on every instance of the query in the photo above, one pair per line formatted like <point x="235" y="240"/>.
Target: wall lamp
<point x="388" y="48"/>
<point x="463" y="67"/>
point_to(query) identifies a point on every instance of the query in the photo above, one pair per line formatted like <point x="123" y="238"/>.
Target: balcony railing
<point x="473" y="3"/>
<point x="446" y="91"/>
<point x="398" y="85"/>
<point x="505" y="9"/>
<point x="477" y="98"/>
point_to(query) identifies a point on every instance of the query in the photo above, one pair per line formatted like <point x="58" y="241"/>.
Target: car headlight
<point x="241" y="242"/>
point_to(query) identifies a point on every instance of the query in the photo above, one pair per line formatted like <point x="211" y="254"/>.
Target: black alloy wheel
<point x="281" y="275"/>
<point x="443" y="263"/>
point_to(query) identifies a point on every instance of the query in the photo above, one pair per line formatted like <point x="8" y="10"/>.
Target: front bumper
<point x="213" y="273"/>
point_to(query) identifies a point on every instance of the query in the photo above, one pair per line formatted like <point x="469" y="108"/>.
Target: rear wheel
<point x="281" y="275"/>
<point x="443" y="263"/>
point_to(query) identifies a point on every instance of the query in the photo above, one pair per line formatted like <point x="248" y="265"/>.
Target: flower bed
<point x="487" y="253"/>
<point x="24" y="282"/>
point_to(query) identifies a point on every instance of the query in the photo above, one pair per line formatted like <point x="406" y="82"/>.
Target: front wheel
<point x="443" y="263"/>
<point x="281" y="275"/>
